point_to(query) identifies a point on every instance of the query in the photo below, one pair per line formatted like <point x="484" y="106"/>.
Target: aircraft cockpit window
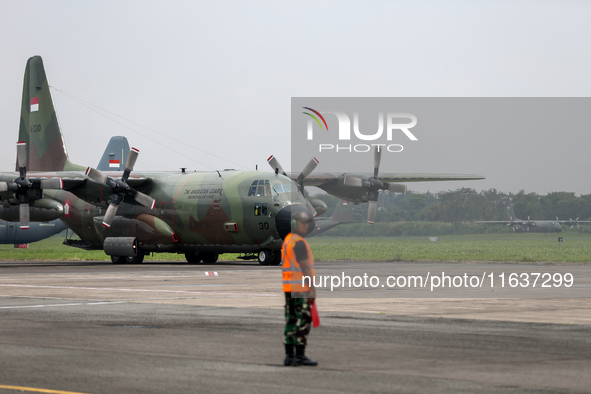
<point x="260" y="188"/>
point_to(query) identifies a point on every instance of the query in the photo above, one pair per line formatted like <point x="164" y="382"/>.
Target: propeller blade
<point x="145" y="200"/>
<point x="309" y="168"/>
<point x="305" y="172"/>
<point x="376" y="162"/>
<point x="21" y="153"/>
<point x="371" y="213"/>
<point x="352" y="181"/>
<point x="24" y="216"/>
<point x="131" y="159"/>
<point x="53" y="183"/>
<point x="397" y="188"/>
<point x="96" y="175"/>
<point x="110" y="215"/>
<point x="274" y="163"/>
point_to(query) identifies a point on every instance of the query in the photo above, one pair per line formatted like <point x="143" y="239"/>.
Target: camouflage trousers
<point x="297" y="320"/>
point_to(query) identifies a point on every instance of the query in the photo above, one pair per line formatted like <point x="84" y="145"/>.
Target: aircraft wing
<point x="497" y="222"/>
<point x="321" y="178"/>
<point x="71" y="180"/>
<point x="508" y="222"/>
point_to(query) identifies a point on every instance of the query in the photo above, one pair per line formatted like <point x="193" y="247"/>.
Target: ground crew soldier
<point x="297" y="263"/>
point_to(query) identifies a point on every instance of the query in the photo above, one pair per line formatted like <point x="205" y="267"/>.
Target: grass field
<point x="576" y="248"/>
<point x="482" y="247"/>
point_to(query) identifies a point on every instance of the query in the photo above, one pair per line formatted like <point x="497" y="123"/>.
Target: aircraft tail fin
<point x="509" y="213"/>
<point x="39" y="127"/>
<point x="115" y="155"/>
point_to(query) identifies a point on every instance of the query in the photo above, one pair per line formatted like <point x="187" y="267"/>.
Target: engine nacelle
<point x="319" y="206"/>
<point x="42" y="210"/>
<point x="120" y="246"/>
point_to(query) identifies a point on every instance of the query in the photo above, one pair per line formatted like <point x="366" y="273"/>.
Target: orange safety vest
<point x="292" y="270"/>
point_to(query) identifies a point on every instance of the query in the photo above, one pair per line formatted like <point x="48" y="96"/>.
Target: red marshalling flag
<point x="314" y="312"/>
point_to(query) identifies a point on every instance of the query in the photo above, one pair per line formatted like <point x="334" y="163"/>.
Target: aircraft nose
<point x="283" y="219"/>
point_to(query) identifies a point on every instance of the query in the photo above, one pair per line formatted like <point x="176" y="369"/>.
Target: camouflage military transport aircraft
<point x="198" y="214"/>
<point x="11" y="232"/>
<point x="531" y="226"/>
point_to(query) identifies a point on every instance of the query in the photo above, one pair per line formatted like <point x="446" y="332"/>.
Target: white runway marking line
<point x="141" y="290"/>
<point x="49" y="305"/>
<point x="210" y="273"/>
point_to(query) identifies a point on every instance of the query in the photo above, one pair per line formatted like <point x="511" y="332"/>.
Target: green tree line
<point x="459" y="208"/>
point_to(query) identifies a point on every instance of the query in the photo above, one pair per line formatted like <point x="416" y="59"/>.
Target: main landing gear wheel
<point x="276" y="258"/>
<point x="205" y="258"/>
<point x="118" y="259"/>
<point x="193" y="258"/>
<point x="137" y="259"/>
<point x="210" y="258"/>
<point x="265" y="257"/>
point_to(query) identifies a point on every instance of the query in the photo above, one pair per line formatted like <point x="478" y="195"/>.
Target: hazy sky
<point x="218" y="77"/>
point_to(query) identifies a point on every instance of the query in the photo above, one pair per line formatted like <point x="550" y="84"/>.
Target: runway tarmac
<point x="95" y="327"/>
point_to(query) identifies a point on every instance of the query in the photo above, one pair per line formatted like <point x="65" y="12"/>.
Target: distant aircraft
<point x="198" y="214"/>
<point x="11" y="233"/>
<point x="531" y="226"/>
<point x="343" y="213"/>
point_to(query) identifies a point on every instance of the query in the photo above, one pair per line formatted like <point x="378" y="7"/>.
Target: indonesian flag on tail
<point x="35" y="104"/>
<point x="114" y="163"/>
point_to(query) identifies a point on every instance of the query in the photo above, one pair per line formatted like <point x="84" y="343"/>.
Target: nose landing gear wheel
<point x="276" y="258"/>
<point x="265" y="257"/>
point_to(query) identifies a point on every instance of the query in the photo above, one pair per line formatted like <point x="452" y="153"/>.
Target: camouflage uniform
<point x="297" y="320"/>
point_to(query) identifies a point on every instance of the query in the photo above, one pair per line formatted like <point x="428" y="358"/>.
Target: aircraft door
<point x="11" y="232"/>
<point x="263" y="222"/>
<point x="2" y="231"/>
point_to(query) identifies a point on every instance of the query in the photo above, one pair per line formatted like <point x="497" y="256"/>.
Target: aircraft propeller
<point x="120" y="188"/>
<point x="373" y="186"/>
<point x="576" y="221"/>
<point x="274" y="163"/>
<point x="27" y="190"/>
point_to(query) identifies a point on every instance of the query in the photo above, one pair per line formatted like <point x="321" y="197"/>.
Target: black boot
<point x="288" y="355"/>
<point x="301" y="359"/>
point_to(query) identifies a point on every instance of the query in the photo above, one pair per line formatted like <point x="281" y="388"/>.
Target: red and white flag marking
<point x="211" y="274"/>
<point x="35" y="104"/>
<point x="114" y="163"/>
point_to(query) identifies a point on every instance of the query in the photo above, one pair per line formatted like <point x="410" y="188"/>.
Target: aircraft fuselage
<point x="229" y="211"/>
<point x="538" y="226"/>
